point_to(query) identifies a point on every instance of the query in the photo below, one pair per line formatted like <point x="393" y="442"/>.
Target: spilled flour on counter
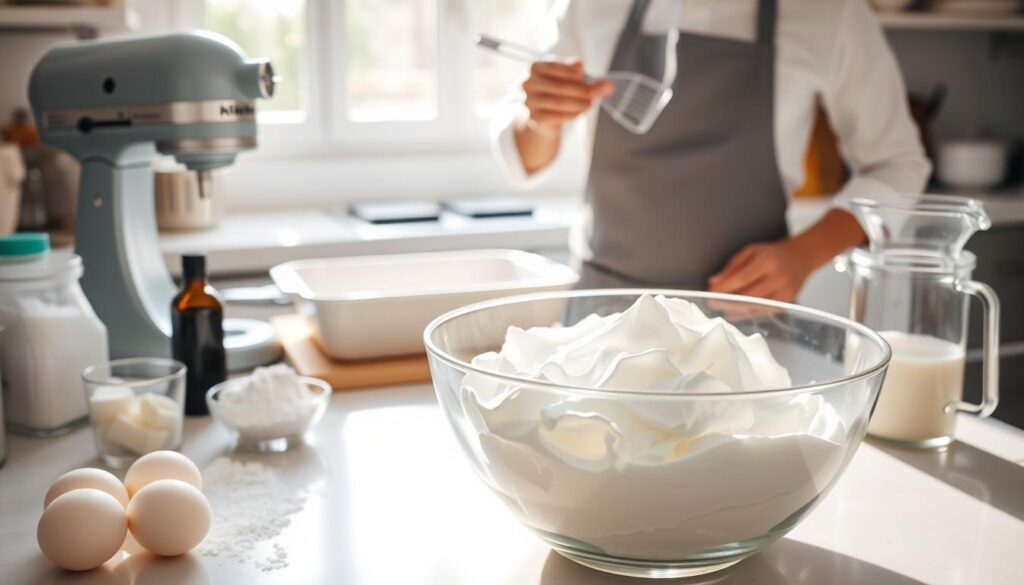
<point x="250" y="505"/>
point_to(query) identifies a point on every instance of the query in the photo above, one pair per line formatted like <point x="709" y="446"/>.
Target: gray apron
<point x="671" y="206"/>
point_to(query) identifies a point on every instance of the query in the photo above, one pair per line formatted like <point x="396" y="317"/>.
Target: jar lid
<point x="55" y="264"/>
<point x="24" y="244"/>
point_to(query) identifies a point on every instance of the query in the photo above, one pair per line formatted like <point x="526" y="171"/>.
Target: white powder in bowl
<point x="250" y="505"/>
<point x="272" y="402"/>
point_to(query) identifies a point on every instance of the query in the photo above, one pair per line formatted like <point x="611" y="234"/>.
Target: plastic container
<point x="659" y="483"/>
<point x="50" y="334"/>
<point x="136" y="406"/>
<point x="377" y="306"/>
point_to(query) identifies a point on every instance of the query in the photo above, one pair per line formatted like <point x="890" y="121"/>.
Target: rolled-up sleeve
<point x="866" y="102"/>
<point x="559" y="35"/>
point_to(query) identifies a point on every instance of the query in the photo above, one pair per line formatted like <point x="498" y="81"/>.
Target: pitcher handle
<point x="990" y="349"/>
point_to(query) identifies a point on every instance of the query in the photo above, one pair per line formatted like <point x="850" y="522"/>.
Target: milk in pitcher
<point x="922" y="389"/>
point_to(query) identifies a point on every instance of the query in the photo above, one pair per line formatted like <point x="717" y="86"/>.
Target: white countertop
<point x="252" y="242"/>
<point x="391" y="500"/>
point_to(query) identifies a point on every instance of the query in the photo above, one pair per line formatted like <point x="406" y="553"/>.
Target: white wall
<point x="985" y="81"/>
<point x="984" y="78"/>
<point x="19" y="51"/>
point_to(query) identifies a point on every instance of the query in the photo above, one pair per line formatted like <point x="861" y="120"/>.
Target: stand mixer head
<point x="114" y="104"/>
<point x="192" y="95"/>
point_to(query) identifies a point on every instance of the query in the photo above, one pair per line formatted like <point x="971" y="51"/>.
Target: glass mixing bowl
<point x="653" y="483"/>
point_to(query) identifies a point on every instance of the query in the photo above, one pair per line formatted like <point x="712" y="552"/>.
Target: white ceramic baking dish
<point x="377" y="306"/>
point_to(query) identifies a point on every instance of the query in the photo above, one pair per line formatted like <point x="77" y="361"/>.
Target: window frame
<point x="326" y="142"/>
<point x="331" y="129"/>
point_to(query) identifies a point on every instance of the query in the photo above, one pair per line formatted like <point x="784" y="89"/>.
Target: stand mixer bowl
<point x="741" y="468"/>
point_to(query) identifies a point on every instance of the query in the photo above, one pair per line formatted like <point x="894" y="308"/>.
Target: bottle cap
<point x="193" y="266"/>
<point x="24" y="244"/>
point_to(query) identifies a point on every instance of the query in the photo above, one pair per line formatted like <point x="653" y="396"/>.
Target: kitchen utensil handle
<point x="520" y="53"/>
<point x="990" y="349"/>
<point x="510" y="50"/>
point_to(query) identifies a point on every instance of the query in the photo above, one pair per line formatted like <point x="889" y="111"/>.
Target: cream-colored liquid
<point x="922" y="388"/>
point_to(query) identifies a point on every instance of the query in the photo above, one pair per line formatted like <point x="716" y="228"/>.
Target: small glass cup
<point x="136" y="405"/>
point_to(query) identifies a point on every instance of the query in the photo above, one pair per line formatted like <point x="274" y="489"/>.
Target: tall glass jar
<point x="50" y="334"/>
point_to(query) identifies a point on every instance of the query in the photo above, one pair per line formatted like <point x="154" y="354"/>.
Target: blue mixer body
<point x="115" y="104"/>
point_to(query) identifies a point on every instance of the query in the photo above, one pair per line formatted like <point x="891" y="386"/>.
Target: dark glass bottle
<point x="197" y="321"/>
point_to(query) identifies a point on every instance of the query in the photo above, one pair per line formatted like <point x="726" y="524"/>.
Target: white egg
<point x="161" y="465"/>
<point x="82" y="529"/>
<point x="169" y="517"/>
<point x="87" y="477"/>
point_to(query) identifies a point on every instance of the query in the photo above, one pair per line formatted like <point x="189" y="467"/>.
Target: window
<point x="379" y="71"/>
<point x="495" y="76"/>
<point x="379" y="98"/>
<point x="275" y="29"/>
<point x="392" y="59"/>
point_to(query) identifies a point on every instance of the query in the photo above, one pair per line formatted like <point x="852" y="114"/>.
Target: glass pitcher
<point x="913" y="284"/>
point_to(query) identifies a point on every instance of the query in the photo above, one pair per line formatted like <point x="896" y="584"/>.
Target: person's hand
<point x="557" y="92"/>
<point x="771" y="270"/>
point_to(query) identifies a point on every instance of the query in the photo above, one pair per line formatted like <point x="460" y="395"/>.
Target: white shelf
<point x="918" y="20"/>
<point x="45" y="18"/>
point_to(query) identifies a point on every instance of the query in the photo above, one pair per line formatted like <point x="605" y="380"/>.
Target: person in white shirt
<point x="699" y="200"/>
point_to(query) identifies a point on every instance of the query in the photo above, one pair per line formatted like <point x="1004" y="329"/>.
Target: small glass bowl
<point x="136" y="406"/>
<point x="273" y="436"/>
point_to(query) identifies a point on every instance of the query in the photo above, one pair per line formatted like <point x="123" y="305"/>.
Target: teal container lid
<point x="24" y="244"/>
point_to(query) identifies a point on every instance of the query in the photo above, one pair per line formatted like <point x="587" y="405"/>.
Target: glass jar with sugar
<point x="50" y="334"/>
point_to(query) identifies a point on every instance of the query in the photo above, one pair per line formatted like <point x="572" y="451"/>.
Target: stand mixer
<point x="115" y="104"/>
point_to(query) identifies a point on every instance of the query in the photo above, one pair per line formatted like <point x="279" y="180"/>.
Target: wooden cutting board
<point x="308" y="360"/>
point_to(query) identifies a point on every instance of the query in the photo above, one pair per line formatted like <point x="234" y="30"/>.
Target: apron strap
<point x="636" y="16"/>
<point x="631" y="34"/>
<point x="766" y="12"/>
<point x="766" y="15"/>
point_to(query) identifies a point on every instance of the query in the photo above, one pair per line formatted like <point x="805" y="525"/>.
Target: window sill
<point x="252" y="242"/>
<point x="285" y="173"/>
